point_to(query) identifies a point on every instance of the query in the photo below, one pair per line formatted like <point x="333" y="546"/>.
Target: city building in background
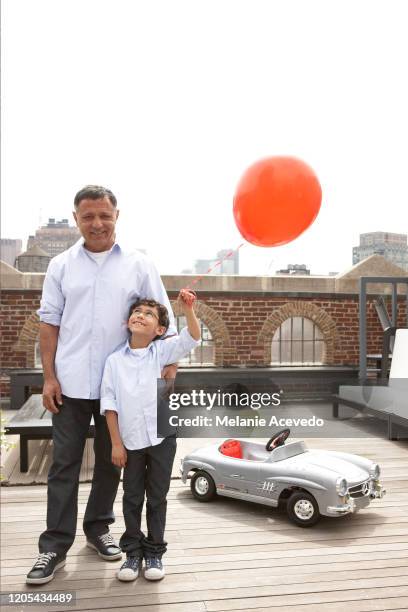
<point x="295" y="269"/>
<point x="202" y="265"/>
<point x="9" y="249"/>
<point x="391" y="246"/>
<point x="34" y="259"/>
<point x="229" y="265"/>
<point x="55" y="237"/>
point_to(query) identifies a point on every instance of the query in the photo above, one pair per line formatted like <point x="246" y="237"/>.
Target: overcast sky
<point x="167" y="103"/>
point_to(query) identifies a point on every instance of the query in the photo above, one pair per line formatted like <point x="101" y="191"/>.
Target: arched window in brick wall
<point x="298" y="341"/>
<point x="203" y="354"/>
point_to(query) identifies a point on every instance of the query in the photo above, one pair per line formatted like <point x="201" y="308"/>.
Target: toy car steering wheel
<point x="278" y="439"/>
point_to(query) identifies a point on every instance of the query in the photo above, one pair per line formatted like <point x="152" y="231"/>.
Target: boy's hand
<point x="119" y="455"/>
<point x="186" y="299"/>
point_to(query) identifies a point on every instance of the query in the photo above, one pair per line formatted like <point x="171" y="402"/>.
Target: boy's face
<point x="144" y="322"/>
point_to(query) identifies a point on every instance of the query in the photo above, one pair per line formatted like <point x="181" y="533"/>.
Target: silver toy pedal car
<point x="311" y="482"/>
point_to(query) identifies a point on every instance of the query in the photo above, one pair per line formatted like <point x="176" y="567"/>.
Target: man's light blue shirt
<point x="90" y="305"/>
<point x="129" y="386"/>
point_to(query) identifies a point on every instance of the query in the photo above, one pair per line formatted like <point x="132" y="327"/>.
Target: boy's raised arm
<point x="176" y="347"/>
<point x="186" y="300"/>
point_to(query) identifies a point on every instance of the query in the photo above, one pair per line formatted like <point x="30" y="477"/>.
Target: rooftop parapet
<point x="346" y="282"/>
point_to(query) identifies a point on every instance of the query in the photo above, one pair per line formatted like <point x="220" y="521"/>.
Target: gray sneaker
<point x="105" y="546"/>
<point x="154" y="569"/>
<point x="44" y="568"/>
<point x="130" y="569"/>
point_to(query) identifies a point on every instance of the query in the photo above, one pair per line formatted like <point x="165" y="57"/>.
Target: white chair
<point x="388" y="401"/>
<point x="399" y="363"/>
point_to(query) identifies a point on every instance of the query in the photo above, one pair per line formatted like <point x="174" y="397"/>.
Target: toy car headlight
<point x="375" y="471"/>
<point x="341" y="486"/>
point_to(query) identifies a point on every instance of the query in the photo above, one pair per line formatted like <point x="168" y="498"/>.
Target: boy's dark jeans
<point x="69" y="432"/>
<point x="147" y="469"/>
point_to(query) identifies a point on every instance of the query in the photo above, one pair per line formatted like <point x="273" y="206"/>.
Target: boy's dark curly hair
<point x="162" y="311"/>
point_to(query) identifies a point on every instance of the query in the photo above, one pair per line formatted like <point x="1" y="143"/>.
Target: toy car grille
<point x="360" y="490"/>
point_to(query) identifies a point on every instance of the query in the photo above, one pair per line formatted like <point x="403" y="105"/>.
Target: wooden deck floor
<point x="231" y="555"/>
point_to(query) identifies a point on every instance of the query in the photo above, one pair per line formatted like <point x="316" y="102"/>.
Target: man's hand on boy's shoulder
<point x="170" y="371"/>
<point x="119" y="455"/>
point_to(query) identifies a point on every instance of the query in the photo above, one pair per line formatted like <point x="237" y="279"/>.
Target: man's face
<point x="144" y="322"/>
<point x="96" y="220"/>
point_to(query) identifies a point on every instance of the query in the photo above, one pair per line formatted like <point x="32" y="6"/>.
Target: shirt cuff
<point x="51" y="319"/>
<point x="107" y="403"/>
<point x="187" y="339"/>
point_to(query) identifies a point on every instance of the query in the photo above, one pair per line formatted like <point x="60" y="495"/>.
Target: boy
<point x="128" y="400"/>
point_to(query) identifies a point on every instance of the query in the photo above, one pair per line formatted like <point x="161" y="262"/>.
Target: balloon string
<point x="217" y="263"/>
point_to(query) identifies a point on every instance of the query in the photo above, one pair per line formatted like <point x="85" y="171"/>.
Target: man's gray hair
<point x="94" y="192"/>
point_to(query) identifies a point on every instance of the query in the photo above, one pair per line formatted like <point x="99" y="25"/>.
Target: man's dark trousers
<point x="69" y="433"/>
<point x="147" y="470"/>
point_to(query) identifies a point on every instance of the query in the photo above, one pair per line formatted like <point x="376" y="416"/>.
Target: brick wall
<point x="242" y="325"/>
<point x="18" y="328"/>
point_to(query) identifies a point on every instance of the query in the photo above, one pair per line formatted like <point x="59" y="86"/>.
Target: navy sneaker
<point x="154" y="569"/>
<point x="105" y="546"/>
<point x="130" y="569"/>
<point x="44" y="568"/>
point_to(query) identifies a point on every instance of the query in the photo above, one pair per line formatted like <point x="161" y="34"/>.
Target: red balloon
<point x="276" y="200"/>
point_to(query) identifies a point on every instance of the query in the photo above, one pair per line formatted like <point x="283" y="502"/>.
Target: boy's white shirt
<point x="129" y="386"/>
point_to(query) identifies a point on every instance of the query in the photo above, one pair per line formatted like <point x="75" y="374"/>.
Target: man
<point x="86" y="295"/>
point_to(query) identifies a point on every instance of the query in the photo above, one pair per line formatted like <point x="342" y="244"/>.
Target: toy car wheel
<point x="302" y="509"/>
<point x="203" y="486"/>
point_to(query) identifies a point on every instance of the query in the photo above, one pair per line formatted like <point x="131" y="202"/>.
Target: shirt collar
<point x="80" y="245"/>
<point x="127" y="348"/>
